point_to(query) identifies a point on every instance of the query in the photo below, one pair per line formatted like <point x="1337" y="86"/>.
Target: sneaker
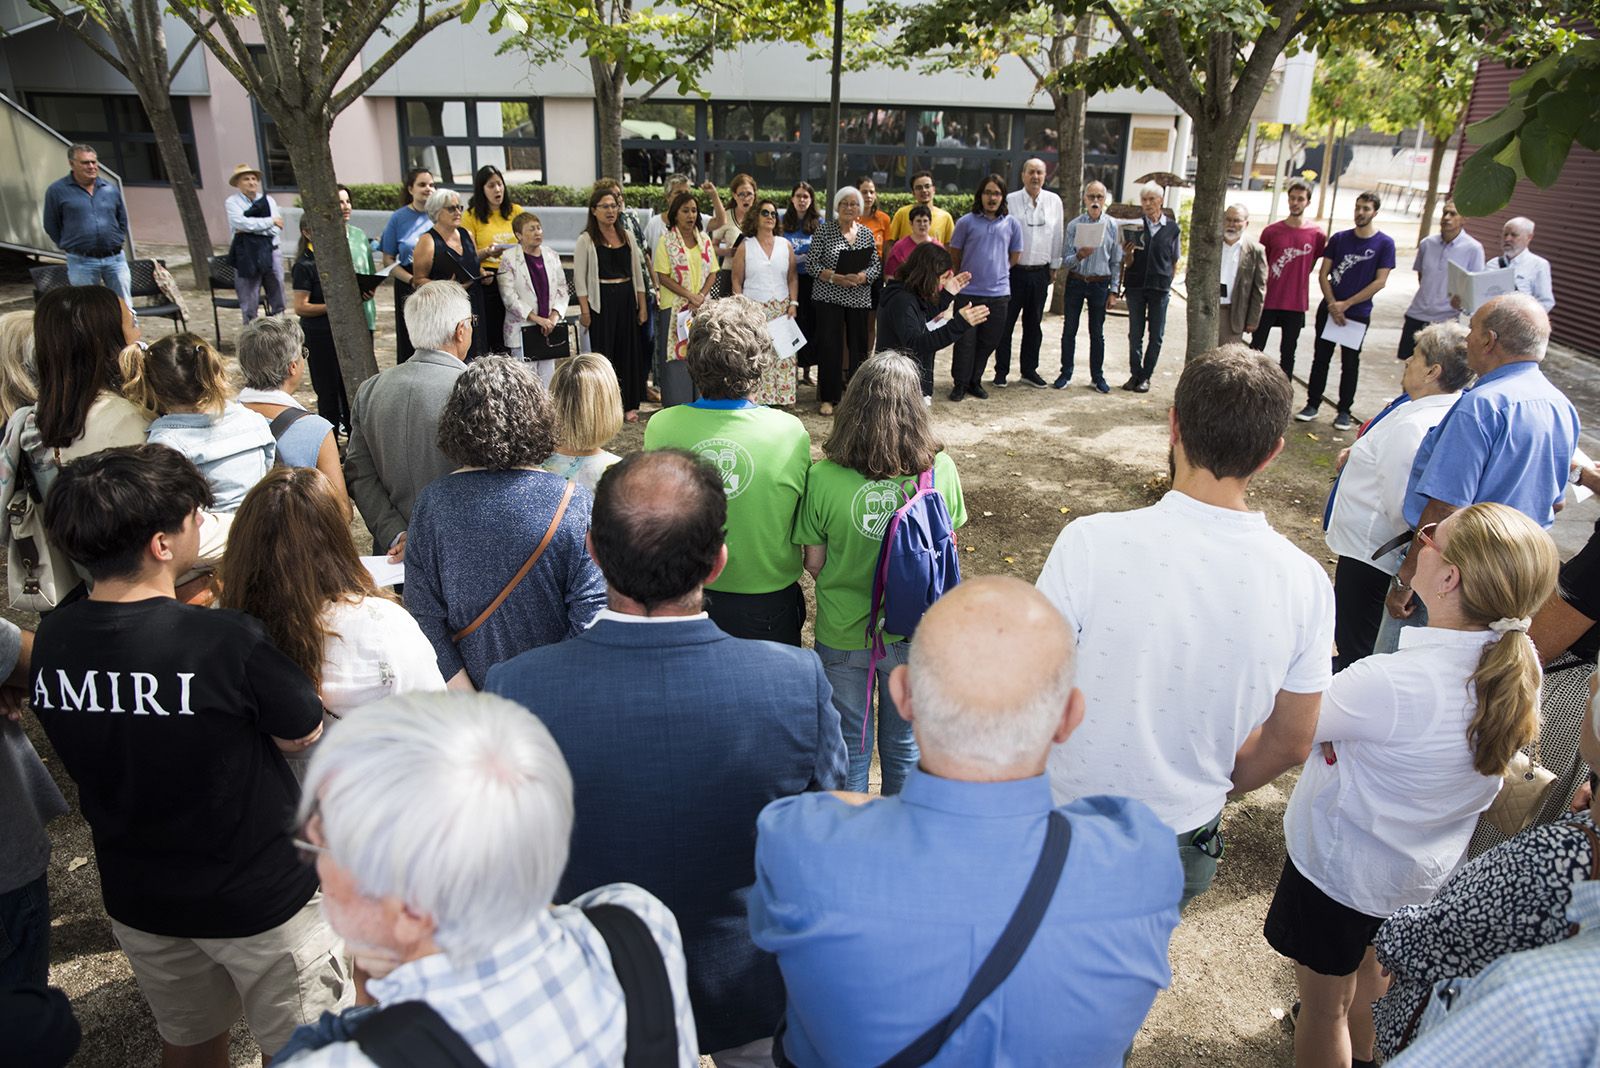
<point x="958" y="393"/>
<point x="1061" y="382"/>
<point x="1143" y="386"/>
<point x="1033" y="379"/>
<point x="1342" y="421"/>
<point x="1000" y="380"/>
<point x="1306" y="414"/>
<point x="927" y="402"/>
<point x="1101" y="386"/>
<point x="978" y="391"/>
<point x="1131" y="384"/>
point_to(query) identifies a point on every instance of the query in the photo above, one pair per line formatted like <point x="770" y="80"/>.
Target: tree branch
<point x="47" y="7"/>
<point x="353" y="32"/>
<point x="1170" y="40"/>
<point x="694" y="57"/>
<point x="1146" y="62"/>
<point x="183" y="57"/>
<point x="353" y="92"/>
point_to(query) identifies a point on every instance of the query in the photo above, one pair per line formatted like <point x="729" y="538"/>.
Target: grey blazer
<point x="393" y="452"/>
<point x="1249" y="286"/>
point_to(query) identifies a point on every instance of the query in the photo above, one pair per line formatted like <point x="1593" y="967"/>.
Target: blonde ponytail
<point x="1508" y="568"/>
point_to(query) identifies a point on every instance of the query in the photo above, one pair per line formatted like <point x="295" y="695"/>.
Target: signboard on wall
<point x="1150" y="139"/>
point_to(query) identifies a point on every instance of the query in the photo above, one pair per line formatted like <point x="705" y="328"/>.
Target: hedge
<point x="382" y="196"/>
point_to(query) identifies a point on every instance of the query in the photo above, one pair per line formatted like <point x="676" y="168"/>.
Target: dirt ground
<point x="1030" y="460"/>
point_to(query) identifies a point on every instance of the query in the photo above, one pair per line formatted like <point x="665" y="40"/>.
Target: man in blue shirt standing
<point x="85" y="217"/>
<point x="881" y="910"/>
<point x="1091" y="280"/>
<point x="1509" y="439"/>
<point x="1355" y="267"/>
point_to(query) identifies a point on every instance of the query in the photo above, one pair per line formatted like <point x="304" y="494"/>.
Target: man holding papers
<point x="1532" y="270"/>
<point x="1355" y="267"/>
<point x="1094" y="256"/>
<point x="1452" y="244"/>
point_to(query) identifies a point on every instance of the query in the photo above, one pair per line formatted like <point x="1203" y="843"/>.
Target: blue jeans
<point x="897" y="748"/>
<point x="109" y="271"/>
<point x="1093" y="294"/>
<point x="1145" y="307"/>
<point x="25" y="935"/>
<point x="1389" y="630"/>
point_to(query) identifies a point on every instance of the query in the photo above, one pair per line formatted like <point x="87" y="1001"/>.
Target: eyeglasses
<point x="309" y="851"/>
<point x="455" y="207"/>
<point x="768" y="213"/>
<point x="1425" y="537"/>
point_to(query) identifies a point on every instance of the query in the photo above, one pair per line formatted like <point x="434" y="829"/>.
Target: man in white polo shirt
<point x="1203" y="635"/>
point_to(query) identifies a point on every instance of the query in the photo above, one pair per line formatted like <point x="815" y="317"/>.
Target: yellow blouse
<point x="497" y="231"/>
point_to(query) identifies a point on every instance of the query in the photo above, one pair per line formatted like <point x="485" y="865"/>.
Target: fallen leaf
<point x="1009" y="559"/>
<point x="968" y="548"/>
<point x="988" y="513"/>
<point x="76" y="863"/>
<point x="1064" y="509"/>
<point x="1312" y="436"/>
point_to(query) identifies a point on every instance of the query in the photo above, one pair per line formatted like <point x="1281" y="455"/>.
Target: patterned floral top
<point x="824" y="256"/>
<point x="1512" y="898"/>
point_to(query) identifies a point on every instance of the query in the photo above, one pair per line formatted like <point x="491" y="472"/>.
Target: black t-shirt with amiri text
<point x="163" y="714"/>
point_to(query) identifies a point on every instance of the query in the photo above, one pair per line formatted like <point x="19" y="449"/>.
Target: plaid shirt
<point x="546" y="996"/>
<point x="1541" y="1006"/>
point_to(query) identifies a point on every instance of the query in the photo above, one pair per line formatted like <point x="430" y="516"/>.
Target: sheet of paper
<point x="1580" y="493"/>
<point x="786" y="336"/>
<point x="937" y="321"/>
<point x="1473" y="288"/>
<point x="383" y="572"/>
<point x="1349" y="335"/>
<point x="684" y="318"/>
<point x="1089" y="234"/>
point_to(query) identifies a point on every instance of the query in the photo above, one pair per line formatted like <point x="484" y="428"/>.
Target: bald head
<point x="656" y="527"/>
<point x="990" y="725"/>
<point x="1508" y="328"/>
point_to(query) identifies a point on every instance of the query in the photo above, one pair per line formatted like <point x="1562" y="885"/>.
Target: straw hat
<point x="240" y="171"/>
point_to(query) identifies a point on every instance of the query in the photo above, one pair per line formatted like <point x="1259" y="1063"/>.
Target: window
<point x="119" y="130"/>
<point x="1104" y="146"/>
<point x="453" y="138"/>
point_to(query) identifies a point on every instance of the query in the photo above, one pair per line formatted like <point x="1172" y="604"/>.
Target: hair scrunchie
<point x="1509" y="623"/>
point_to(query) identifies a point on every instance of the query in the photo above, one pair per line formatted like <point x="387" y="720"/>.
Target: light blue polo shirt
<point x="1509" y="439"/>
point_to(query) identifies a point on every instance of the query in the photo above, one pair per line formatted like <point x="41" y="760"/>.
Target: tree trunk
<point x="169" y="144"/>
<point x="1202" y="278"/>
<point x="1071" y="110"/>
<point x="308" y="138"/>
<point x="607" y="80"/>
<point x="1431" y="201"/>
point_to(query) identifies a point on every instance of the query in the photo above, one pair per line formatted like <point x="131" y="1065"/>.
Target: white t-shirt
<point x="1190" y="619"/>
<point x="1230" y="266"/>
<point x="1387" y="822"/>
<point x="1369" y="504"/>
<point x="374" y="649"/>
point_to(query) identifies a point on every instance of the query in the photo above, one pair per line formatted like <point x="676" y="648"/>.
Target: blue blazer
<point x="678" y="735"/>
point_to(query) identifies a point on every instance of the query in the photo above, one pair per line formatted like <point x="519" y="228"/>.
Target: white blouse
<point x="1389" y="820"/>
<point x="766" y="278"/>
<point x="374" y="649"/>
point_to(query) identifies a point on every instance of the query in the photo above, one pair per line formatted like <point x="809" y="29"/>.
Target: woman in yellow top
<point x="488" y="219"/>
<point x="686" y="266"/>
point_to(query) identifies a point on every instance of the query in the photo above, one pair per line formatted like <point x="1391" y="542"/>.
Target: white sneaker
<point x="927" y="402"/>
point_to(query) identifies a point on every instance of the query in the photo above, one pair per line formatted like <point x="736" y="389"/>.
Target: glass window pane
<point x="960" y="173"/>
<point x="755" y="122"/>
<point x="524" y="164"/>
<point x="862" y="125"/>
<point x="1039" y="133"/>
<point x="519" y="118"/>
<point x="1103" y="136"/>
<point x="963" y="128"/>
<point x="279" y="171"/>
<point x="772" y="169"/>
<point x="436" y="118"/>
<point x="81" y="113"/>
<point x="668" y="121"/>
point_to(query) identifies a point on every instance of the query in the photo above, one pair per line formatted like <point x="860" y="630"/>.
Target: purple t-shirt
<point x="986" y="245"/>
<point x="1356" y="262"/>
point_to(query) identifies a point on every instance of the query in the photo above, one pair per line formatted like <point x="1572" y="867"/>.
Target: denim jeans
<point x="897" y="749"/>
<point x="25" y="935"/>
<point x="1389" y="630"/>
<point x="109" y="271"/>
<point x="1199" y="867"/>
<point x="1145" y="307"/>
<point x="1094" y="294"/>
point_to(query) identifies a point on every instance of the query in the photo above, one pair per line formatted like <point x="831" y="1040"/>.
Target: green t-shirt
<point x="848" y="514"/>
<point x="763" y="455"/>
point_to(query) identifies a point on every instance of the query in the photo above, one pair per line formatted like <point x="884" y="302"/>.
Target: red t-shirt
<point x="1292" y="254"/>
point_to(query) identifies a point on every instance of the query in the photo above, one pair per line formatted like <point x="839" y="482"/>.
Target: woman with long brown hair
<point x="1414" y="745"/>
<point x="293" y="565"/>
<point x="608" y="276"/>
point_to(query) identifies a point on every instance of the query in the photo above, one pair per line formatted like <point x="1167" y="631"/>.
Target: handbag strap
<point x="652" y="1018"/>
<point x="412" y="1034"/>
<point x="1007" y="951"/>
<point x="522" y="572"/>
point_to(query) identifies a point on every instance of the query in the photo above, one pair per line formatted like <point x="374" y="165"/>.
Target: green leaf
<point x="470" y="12"/>
<point x="1484" y="186"/>
<point x="1566" y="111"/>
<point x="1544" y="150"/>
<point x="1542" y="69"/>
<point x="1589" y="135"/>
<point x="515" y="22"/>
<point x="1503" y="122"/>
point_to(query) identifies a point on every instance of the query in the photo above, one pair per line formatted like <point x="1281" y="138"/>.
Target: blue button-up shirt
<point x="881" y="913"/>
<point x="85" y="225"/>
<point x="1541" y="1006"/>
<point x="1509" y="439"/>
<point x="1104" y="260"/>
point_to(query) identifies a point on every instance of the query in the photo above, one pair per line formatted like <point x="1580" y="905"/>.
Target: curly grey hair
<point x="728" y="344"/>
<point x="268" y="345"/>
<point x="499" y="416"/>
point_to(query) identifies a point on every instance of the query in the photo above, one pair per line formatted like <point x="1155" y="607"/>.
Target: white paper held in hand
<point x="684" y="318"/>
<point x="383" y="572"/>
<point x="1472" y="288"/>
<point x="1089" y="235"/>
<point x="1580" y="492"/>
<point x="786" y="336"/>
<point x="1349" y="335"/>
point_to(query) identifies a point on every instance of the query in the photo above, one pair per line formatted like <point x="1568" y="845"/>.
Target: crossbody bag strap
<point x="522" y="572"/>
<point x="412" y="1034"/>
<point x="1007" y="951"/>
<point x="652" y="1026"/>
<point x="284" y="420"/>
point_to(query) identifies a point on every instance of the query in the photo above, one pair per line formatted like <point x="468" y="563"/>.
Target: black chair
<point x="144" y="285"/>
<point x="221" y="272"/>
<point x="47" y="278"/>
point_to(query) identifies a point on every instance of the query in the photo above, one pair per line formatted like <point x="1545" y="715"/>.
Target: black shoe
<point x="1143" y="386"/>
<point x="1131" y="384"/>
<point x="1000" y="380"/>
<point x="1100" y="386"/>
<point x="958" y="393"/>
<point x="1343" y="421"/>
<point x="977" y="390"/>
<point x="1306" y="414"/>
<point x="1033" y="379"/>
<point x="1061" y="382"/>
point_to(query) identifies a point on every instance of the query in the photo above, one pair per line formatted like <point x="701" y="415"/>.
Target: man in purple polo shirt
<point x="1355" y="266"/>
<point x="987" y="242"/>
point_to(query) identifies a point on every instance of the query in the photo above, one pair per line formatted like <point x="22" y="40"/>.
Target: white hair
<point x="1240" y="208"/>
<point x="438" y="200"/>
<point x="434" y="311"/>
<point x="1520" y="324"/>
<point x="1148" y="187"/>
<point x="1521" y="224"/>
<point x="460" y="805"/>
<point x="997" y="738"/>
<point x="845" y="193"/>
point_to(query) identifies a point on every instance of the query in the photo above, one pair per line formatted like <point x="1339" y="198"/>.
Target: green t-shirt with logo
<point x="848" y="514"/>
<point x="763" y="455"/>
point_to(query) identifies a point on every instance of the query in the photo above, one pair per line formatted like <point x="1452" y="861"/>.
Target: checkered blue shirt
<point x="1539" y="1007"/>
<point x="546" y="996"/>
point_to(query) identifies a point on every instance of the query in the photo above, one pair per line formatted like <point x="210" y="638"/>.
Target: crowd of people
<point x="576" y="791"/>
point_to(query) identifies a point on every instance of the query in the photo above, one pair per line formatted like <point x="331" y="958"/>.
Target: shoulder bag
<point x="522" y="572"/>
<point x="1522" y="793"/>
<point x="38" y="576"/>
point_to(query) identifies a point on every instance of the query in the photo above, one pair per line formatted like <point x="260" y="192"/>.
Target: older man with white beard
<point x="1244" y="277"/>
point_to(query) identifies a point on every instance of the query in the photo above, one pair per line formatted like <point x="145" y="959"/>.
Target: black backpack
<point x="412" y="1035"/>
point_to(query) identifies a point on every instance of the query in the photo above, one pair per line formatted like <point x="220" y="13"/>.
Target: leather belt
<point x="1031" y="267"/>
<point x="1089" y="277"/>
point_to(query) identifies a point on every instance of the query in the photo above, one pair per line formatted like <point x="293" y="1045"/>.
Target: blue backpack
<point x="917" y="564"/>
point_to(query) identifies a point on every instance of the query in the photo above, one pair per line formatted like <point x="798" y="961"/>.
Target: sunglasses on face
<point x="768" y="213"/>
